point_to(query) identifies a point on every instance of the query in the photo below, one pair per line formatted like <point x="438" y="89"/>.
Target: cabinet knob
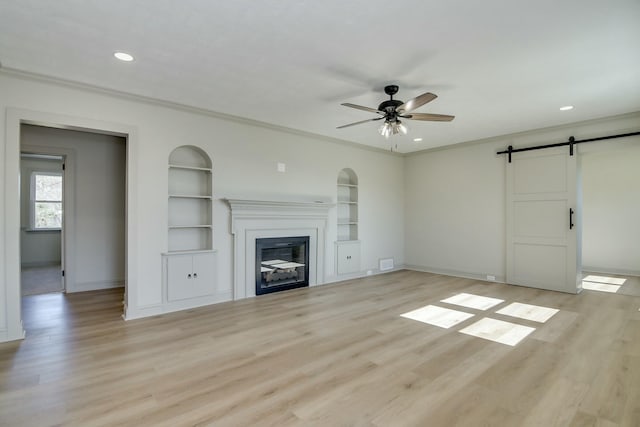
<point x="348" y="256"/>
<point x="189" y="276"/>
<point x="195" y="275"/>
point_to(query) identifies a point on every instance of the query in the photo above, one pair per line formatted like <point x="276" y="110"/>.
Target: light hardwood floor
<point x="335" y="355"/>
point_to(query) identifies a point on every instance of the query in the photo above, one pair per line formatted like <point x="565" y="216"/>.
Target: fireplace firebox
<point x="282" y="263"/>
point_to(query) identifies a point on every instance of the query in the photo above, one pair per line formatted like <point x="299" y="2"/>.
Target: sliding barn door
<point x="542" y="232"/>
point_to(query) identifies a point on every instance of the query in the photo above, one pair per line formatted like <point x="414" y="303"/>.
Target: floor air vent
<point x="386" y="264"/>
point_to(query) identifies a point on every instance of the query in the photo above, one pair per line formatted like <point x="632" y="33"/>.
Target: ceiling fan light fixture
<point x="389" y="128"/>
<point x="385" y="129"/>
<point x="401" y="127"/>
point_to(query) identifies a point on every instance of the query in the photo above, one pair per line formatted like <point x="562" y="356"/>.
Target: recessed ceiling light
<point x="566" y="108"/>
<point x="122" y="56"/>
<point x="417" y="139"/>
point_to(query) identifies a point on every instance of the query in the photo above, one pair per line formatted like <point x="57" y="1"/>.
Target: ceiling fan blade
<point x="416" y="102"/>
<point x="360" y="122"/>
<point x="429" y="117"/>
<point x="360" y="107"/>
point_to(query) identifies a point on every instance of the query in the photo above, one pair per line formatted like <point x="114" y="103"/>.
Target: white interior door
<point x="542" y="228"/>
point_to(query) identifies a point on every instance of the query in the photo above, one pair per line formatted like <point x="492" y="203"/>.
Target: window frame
<point x="33" y="200"/>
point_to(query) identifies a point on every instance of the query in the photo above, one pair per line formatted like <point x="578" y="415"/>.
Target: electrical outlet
<point x="282" y="167"/>
<point x="491" y="278"/>
<point x="369" y="272"/>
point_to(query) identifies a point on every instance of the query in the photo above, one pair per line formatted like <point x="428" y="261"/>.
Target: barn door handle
<point x="570" y="219"/>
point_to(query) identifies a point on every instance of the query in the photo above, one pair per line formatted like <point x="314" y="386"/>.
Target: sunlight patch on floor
<point x="535" y="313"/>
<point x="600" y="287"/>
<point x="605" y="279"/>
<point x="437" y="316"/>
<point x="498" y="331"/>
<point x="473" y="301"/>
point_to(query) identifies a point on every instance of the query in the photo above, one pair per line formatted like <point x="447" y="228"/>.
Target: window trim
<point x="33" y="201"/>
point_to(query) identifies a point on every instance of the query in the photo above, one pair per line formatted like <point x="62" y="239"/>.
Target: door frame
<point x="68" y="231"/>
<point x="11" y="248"/>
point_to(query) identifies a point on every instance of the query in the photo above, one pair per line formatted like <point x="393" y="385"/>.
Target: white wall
<point x="455" y="200"/>
<point x="36" y="247"/>
<point x="611" y="206"/>
<point x="244" y="165"/>
<point x="99" y="204"/>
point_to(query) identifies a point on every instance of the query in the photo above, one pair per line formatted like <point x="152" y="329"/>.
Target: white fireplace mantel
<point x="256" y="219"/>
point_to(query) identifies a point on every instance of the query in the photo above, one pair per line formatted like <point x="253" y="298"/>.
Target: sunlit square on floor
<point x="600" y="287"/>
<point x="605" y="279"/>
<point x="498" y="331"/>
<point x="473" y="301"/>
<point x="437" y="316"/>
<point x="528" y="312"/>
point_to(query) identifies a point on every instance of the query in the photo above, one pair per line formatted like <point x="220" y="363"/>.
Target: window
<point x="46" y="200"/>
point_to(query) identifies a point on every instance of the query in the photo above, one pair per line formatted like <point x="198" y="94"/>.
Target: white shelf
<point x="193" y="168"/>
<point x="347" y="186"/>
<point x="190" y="201"/>
<point x="187" y="196"/>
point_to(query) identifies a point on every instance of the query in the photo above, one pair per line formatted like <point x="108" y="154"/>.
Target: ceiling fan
<point x="392" y="110"/>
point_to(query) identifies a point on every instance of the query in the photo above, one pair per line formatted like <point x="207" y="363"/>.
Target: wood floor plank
<point x="334" y="355"/>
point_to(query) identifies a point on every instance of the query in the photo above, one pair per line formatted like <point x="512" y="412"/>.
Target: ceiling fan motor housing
<point x="391" y="90"/>
<point x="389" y="107"/>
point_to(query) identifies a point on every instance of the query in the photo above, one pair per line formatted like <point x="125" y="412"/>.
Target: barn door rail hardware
<point x="571" y="142"/>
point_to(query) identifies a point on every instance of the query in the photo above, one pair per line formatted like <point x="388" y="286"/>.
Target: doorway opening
<point x="610" y="236"/>
<point x="73" y="216"/>
<point x="41" y="223"/>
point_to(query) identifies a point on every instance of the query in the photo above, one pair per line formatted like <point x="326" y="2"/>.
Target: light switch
<point x="282" y="167"/>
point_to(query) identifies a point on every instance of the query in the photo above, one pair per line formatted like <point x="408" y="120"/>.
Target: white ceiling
<point x="499" y="66"/>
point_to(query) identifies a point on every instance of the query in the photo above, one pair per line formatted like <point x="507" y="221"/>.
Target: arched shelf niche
<point x="347" y="204"/>
<point x="347" y="243"/>
<point x="190" y="200"/>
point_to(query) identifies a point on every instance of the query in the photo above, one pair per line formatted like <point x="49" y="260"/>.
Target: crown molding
<point x="28" y="75"/>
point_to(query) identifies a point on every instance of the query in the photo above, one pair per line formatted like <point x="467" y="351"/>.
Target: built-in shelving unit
<point x="347" y="205"/>
<point x="347" y="244"/>
<point x="190" y="200"/>
<point x="190" y="264"/>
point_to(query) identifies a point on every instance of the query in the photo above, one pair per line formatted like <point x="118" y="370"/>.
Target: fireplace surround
<point x="260" y="219"/>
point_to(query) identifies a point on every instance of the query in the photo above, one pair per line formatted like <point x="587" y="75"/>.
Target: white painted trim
<point x="456" y="273"/>
<point x="11" y="248"/>
<point x="606" y="270"/>
<point x="26" y="75"/>
<point x="171" y="307"/>
<point x="95" y="286"/>
<point x="253" y="219"/>
<point x="361" y="275"/>
<point x="68" y="232"/>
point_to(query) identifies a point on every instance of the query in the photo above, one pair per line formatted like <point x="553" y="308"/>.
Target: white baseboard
<point x="359" y="275"/>
<point x="40" y="264"/>
<point x="455" y="273"/>
<point x="95" y="286"/>
<point x="606" y="270"/>
<point x="170" y="307"/>
<point x="6" y="335"/>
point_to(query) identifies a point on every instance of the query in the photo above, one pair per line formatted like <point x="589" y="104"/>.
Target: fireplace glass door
<point x="281" y="263"/>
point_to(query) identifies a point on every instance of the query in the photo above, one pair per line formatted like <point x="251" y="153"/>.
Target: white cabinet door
<point x="190" y="276"/>
<point x="542" y="228"/>
<point x="348" y="254"/>
<point x="204" y="269"/>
